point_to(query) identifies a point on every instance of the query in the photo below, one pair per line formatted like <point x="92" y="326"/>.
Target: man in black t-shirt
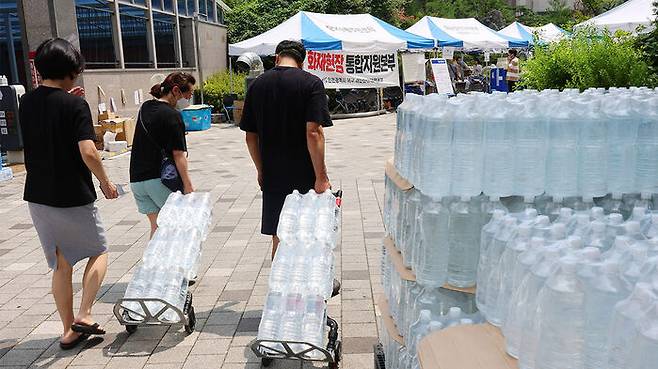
<point x="284" y="115"/>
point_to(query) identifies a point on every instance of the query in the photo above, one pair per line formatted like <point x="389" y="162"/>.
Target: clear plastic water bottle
<point x="486" y="238"/>
<point x="644" y="354"/>
<point x="494" y="255"/>
<point x="437" y="162"/>
<point x="561" y="158"/>
<point x="561" y="319"/>
<point x="623" y="328"/>
<point x="410" y="223"/>
<point x="531" y="324"/>
<point x="314" y="320"/>
<point x="622" y="133"/>
<point x="466" y="149"/>
<point x="530" y="153"/>
<point x="517" y="245"/>
<point x="271" y="318"/>
<point x="423" y="322"/>
<point x="428" y="299"/>
<point x="290" y="328"/>
<point x="646" y="149"/>
<point x="592" y="148"/>
<point x="432" y="269"/>
<point x="579" y="225"/>
<point x="464" y="241"/>
<point x="288" y="218"/>
<point x="601" y="296"/>
<point x="614" y="227"/>
<point x="498" y="177"/>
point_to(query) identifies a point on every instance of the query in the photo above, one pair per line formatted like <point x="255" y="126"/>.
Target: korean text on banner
<point x="339" y="69"/>
<point x="442" y="76"/>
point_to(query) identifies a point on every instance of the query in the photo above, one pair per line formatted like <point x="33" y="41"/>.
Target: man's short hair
<point x="57" y="59"/>
<point x="293" y="49"/>
<point x="513" y="52"/>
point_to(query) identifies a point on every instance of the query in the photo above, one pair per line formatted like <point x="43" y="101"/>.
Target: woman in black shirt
<point x="60" y="156"/>
<point x="160" y="128"/>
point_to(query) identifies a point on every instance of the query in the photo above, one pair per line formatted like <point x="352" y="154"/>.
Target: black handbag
<point x="169" y="174"/>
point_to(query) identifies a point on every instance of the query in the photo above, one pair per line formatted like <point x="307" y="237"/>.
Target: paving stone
<point x="17" y="357"/>
<point x="359" y="345"/>
<point x="235" y="295"/>
<point x="355" y="275"/>
<point x="249" y="325"/>
<point x="204" y="361"/>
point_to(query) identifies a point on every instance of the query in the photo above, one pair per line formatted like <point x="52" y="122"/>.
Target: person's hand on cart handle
<point x="322" y="184"/>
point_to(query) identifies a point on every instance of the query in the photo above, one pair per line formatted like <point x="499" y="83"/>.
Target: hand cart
<point x="125" y="315"/>
<point x="269" y="350"/>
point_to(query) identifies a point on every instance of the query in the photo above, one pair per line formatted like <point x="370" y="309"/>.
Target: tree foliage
<point x="648" y="45"/>
<point x="587" y="60"/>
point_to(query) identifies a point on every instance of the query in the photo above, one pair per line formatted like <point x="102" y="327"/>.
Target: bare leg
<point x="153" y="218"/>
<point x="63" y="293"/>
<point x="91" y="283"/>
<point x="275" y="245"/>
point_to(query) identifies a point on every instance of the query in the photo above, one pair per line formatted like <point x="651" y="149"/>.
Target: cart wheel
<point x="266" y="362"/>
<point x="191" y="318"/>
<point x="130" y="328"/>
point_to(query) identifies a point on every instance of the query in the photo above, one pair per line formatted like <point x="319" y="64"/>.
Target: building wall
<point x="112" y="81"/>
<point x="539" y="5"/>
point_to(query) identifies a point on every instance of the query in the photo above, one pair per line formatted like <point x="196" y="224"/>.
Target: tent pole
<point x="404" y="94"/>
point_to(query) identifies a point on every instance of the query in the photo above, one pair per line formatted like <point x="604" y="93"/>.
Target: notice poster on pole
<point x="448" y="52"/>
<point x="338" y="69"/>
<point x="413" y="67"/>
<point x="442" y="76"/>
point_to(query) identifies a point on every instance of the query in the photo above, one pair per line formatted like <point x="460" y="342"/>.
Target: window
<point x="220" y="14"/>
<point x="191" y="7"/>
<point x="11" y="47"/>
<point x="182" y="8"/>
<point x="133" y="35"/>
<point x="203" y="12"/>
<point x="164" y="28"/>
<point x="168" y="5"/>
<point x="94" y="19"/>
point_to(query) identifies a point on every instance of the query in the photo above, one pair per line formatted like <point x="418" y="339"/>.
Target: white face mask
<point x="182" y="103"/>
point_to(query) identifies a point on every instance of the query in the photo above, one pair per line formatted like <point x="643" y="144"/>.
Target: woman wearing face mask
<point x="160" y="132"/>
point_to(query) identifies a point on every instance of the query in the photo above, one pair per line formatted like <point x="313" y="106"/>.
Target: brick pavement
<point x="233" y="276"/>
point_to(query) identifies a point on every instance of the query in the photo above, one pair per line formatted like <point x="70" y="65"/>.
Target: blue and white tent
<point x="545" y="34"/>
<point x="520" y="31"/>
<point x="350" y="32"/>
<point x="470" y="33"/>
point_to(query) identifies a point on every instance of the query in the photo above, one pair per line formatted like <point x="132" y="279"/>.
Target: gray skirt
<point x="77" y="232"/>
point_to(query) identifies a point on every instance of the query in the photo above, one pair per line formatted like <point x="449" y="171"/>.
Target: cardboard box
<point x="395" y="176"/>
<point x="123" y="127"/>
<point x="98" y="130"/>
<point x="479" y="346"/>
<point x="106" y="115"/>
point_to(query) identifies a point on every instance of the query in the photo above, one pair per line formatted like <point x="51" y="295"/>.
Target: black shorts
<point x="272" y="205"/>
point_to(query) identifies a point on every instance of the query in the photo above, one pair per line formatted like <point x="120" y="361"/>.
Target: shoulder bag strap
<point x="141" y="122"/>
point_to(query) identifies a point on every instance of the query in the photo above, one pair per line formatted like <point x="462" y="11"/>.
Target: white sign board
<point x="442" y="76"/>
<point x="448" y="52"/>
<point x="338" y="69"/>
<point x="413" y="67"/>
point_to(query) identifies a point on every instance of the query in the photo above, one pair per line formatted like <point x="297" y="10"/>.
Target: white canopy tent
<point x="545" y="34"/>
<point x="348" y="33"/>
<point x="472" y="34"/>
<point x="626" y="17"/>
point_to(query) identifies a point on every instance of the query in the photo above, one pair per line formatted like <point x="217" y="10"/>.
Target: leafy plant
<point x="587" y="60"/>
<point x="648" y="44"/>
<point x="220" y="85"/>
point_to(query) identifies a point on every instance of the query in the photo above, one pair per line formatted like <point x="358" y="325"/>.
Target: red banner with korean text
<point x="339" y="69"/>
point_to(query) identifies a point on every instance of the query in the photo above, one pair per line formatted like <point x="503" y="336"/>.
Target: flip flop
<point x="87" y="328"/>
<point x="74" y="343"/>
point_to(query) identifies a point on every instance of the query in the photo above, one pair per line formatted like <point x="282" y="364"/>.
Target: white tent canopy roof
<point x="546" y="33"/>
<point x="472" y="33"/>
<point x="351" y="32"/>
<point x="626" y="17"/>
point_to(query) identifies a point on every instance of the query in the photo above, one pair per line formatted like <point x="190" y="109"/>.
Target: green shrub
<point x="587" y="60"/>
<point x="222" y="84"/>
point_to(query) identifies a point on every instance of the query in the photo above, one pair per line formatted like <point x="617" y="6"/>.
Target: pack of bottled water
<point x="191" y="211"/>
<point x="6" y="174"/>
<point x="560" y="290"/>
<point x="171" y="258"/>
<point x="301" y="279"/>
<point x="528" y="143"/>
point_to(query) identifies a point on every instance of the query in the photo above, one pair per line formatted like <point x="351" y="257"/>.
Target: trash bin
<point x="197" y="117"/>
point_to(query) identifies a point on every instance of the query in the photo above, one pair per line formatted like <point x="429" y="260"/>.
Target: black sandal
<point x="87" y="329"/>
<point x="74" y="343"/>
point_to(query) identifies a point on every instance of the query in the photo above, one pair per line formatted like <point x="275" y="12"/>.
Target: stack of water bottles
<point x="172" y="257"/>
<point x="580" y="292"/>
<point x="530" y="143"/>
<point x="302" y="273"/>
<point x="5" y="172"/>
